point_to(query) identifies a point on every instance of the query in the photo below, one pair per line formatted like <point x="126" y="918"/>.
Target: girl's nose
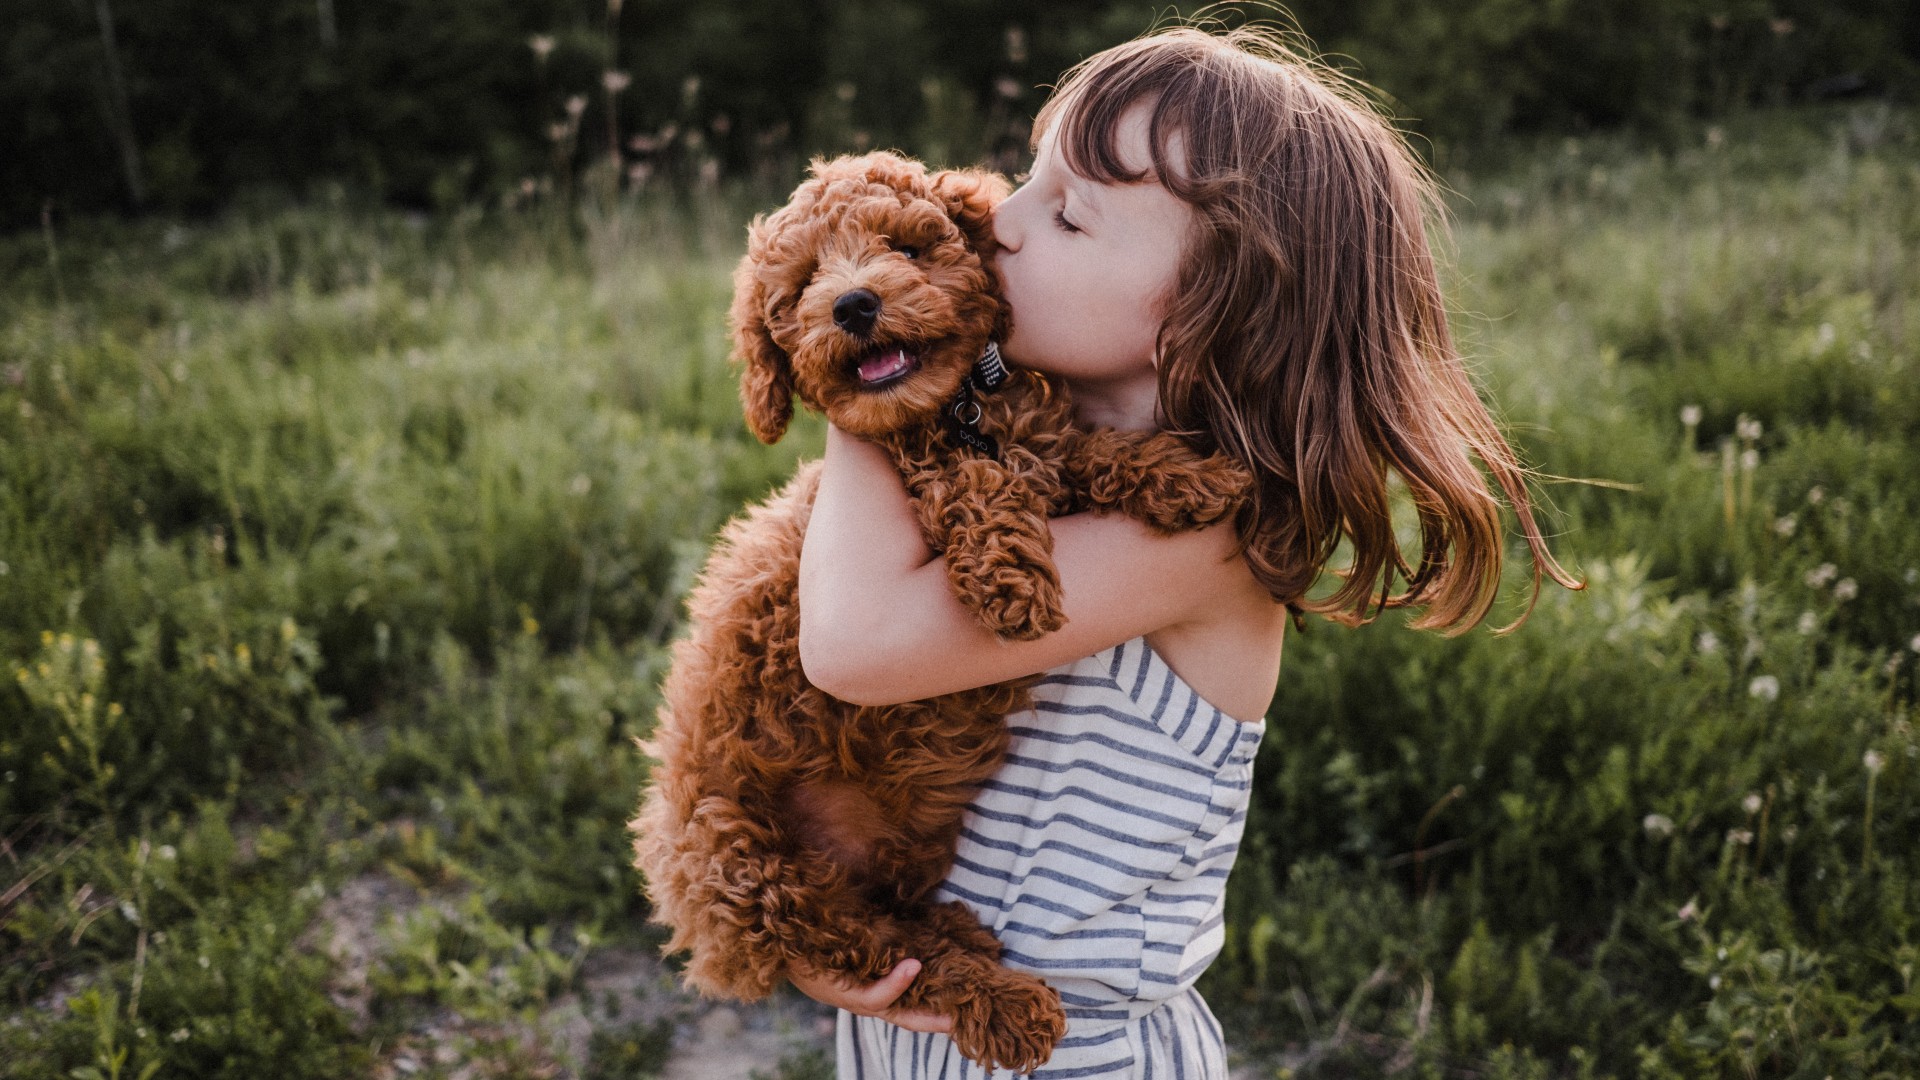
<point x="1006" y="232"/>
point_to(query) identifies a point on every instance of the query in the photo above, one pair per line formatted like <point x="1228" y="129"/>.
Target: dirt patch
<point x="618" y="987"/>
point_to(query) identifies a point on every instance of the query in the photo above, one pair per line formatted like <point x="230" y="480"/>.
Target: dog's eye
<point x="908" y="250"/>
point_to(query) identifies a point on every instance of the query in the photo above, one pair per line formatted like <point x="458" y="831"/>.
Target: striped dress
<point x="1098" y="855"/>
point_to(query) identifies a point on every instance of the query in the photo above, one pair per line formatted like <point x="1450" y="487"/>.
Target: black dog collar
<point x="963" y="414"/>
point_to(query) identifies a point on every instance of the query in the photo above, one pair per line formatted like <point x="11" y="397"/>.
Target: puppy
<point x="783" y="828"/>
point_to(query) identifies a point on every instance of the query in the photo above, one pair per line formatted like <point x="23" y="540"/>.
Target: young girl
<point x="1225" y="241"/>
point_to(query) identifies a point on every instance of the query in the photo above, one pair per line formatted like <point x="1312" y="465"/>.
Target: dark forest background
<point x="182" y="105"/>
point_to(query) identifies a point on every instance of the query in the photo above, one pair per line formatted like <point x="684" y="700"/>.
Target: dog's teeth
<point x="884" y="365"/>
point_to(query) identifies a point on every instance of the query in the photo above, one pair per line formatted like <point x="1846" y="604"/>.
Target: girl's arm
<point x="879" y="623"/>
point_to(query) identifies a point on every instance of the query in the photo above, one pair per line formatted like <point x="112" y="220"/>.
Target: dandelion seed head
<point x="1764" y="687"/>
<point x="1873" y="761"/>
<point x="1751" y="804"/>
<point x="1690" y="415"/>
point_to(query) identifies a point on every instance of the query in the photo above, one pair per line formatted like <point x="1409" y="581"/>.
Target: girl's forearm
<point x="879" y="622"/>
<point x="864" y="557"/>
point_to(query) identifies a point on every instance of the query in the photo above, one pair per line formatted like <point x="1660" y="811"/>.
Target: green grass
<point x="335" y="543"/>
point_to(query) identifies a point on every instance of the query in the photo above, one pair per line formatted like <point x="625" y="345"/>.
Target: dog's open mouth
<point x="886" y="366"/>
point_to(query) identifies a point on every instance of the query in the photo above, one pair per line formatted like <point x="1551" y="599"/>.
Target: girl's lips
<point x="886" y="366"/>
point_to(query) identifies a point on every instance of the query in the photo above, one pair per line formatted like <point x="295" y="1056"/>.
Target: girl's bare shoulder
<point x="1228" y="649"/>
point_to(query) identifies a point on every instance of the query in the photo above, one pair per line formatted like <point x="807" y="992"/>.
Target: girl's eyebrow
<point x="1086" y="190"/>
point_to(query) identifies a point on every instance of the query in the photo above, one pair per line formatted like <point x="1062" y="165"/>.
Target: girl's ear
<point x="970" y="196"/>
<point x="766" y="386"/>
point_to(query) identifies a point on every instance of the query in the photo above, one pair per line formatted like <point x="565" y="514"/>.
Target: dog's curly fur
<point x="786" y="829"/>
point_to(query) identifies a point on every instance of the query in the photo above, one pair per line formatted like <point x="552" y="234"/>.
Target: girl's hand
<point x="874" y="999"/>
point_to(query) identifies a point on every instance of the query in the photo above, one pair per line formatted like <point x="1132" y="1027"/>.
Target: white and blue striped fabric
<point x="1098" y="855"/>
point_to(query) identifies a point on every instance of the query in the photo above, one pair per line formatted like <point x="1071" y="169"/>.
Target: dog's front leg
<point x="991" y="525"/>
<point x="1154" y="478"/>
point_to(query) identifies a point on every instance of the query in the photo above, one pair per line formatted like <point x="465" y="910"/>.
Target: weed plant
<point x="338" y="545"/>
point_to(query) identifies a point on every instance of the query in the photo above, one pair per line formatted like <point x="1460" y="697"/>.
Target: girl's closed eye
<point x="1060" y="219"/>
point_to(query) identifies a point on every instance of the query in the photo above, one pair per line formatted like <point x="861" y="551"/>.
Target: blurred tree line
<point x="180" y="105"/>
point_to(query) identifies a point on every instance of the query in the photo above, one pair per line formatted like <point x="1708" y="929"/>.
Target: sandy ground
<point x="618" y="987"/>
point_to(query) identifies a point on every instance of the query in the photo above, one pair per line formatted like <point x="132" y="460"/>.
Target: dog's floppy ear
<point x="766" y="386"/>
<point x="970" y="196"/>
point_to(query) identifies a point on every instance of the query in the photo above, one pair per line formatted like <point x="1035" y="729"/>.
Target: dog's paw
<point x="1018" y="603"/>
<point x="1011" y="1026"/>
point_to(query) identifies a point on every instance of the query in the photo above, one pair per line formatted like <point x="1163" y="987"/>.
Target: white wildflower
<point x="576" y="104"/>
<point x="1658" y="826"/>
<point x="1874" y="762"/>
<point x="1764" y="687"/>
<point x="1740" y="837"/>
<point x="1845" y="589"/>
<point x="1809" y="622"/>
<point x="615" y="81"/>
<point x="1690" y="415"/>
<point x="1749" y="459"/>
<point x="1818" y="577"/>
<point x="1816" y="495"/>
<point x="541" y="44"/>
<point x="179" y="1035"/>
<point x="1915" y="643"/>
<point x="1751" y="804"/>
<point x="1689" y="912"/>
<point x="1747" y="428"/>
<point x="1708" y="642"/>
<point x="1785" y="525"/>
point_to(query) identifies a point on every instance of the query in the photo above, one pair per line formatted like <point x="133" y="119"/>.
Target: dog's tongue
<point x="891" y="362"/>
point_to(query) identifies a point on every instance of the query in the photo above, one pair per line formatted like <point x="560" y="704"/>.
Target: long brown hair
<point x="1306" y="334"/>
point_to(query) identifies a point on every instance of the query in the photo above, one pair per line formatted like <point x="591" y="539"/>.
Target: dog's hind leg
<point x="1002" y="1018"/>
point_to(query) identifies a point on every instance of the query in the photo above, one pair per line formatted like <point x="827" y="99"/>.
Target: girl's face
<point x="1087" y="266"/>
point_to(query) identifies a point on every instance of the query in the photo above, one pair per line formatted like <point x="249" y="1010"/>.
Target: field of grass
<point x="338" y="551"/>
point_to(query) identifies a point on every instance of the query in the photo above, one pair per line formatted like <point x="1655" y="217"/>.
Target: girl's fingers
<point x="918" y="1021"/>
<point x="878" y="996"/>
<point x="874" y="999"/>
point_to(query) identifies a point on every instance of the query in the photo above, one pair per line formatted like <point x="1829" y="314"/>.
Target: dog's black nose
<point x="855" y="311"/>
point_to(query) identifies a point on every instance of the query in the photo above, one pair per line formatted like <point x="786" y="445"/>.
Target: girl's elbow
<point x="832" y="662"/>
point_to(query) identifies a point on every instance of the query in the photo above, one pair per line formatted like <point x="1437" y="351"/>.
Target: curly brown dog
<point x="786" y="828"/>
